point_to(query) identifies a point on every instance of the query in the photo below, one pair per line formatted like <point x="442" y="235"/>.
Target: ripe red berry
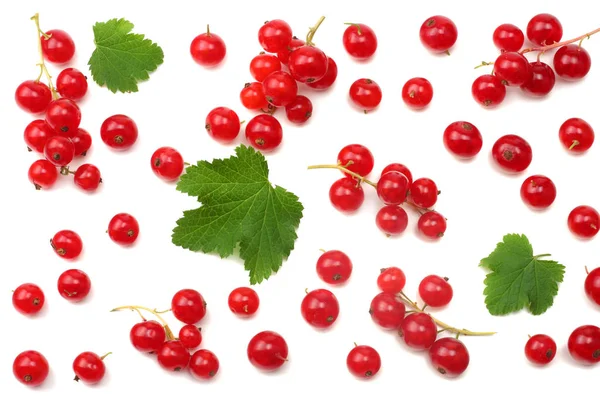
<point x="87" y="177"/>
<point x="541" y="81"/>
<point x="188" y="306"/>
<point x="438" y="33"/>
<point x="328" y="79"/>
<point x="167" y="163"/>
<point x="57" y="46"/>
<point x="89" y="367"/>
<point x="391" y="280"/>
<point x="208" y="49"/>
<point x="418" y="330"/>
<point x="284" y="55"/>
<point x="423" y="193"/>
<point x="391" y="220"/>
<point x="31" y="368"/>
<point x="307" y="64"/>
<point x="67" y="244"/>
<point x="28" y="299"/>
<point x="584" y="222"/>
<point x="263" y="65"/>
<point x="299" y="110"/>
<point x="119" y="132"/>
<point x="267" y="350"/>
<point x="417" y="93"/>
<point x="42" y="174"/>
<point x="592" y="285"/>
<point x="538" y="192"/>
<point x="356" y="158"/>
<point x="280" y="88"/>
<point x="572" y="62"/>
<point x="172" y="356"/>
<point x="74" y="285"/>
<point x="392" y="187"/>
<point x="387" y="311"/>
<point x="33" y="96"/>
<point x="512" y="153"/>
<point x="190" y="336"/>
<point x="264" y="132"/>
<point x="584" y="344"/>
<point x="320" y="308"/>
<point x="274" y="36"/>
<point x="64" y="116"/>
<point x="147" y="336"/>
<point x="82" y="142"/>
<point x="432" y="225"/>
<point x="365" y="94"/>
<point x="449" y="357"/>
<point x="363" y="362"/>
<point x="334" y="267"/>
<point x="360" y="41"/>
<point x="540" y="349"/>
<point x="576" y="135"/>
<point x="222" y="124"/>
<point x="346" y="195"/>
<point x="123" y="229"/>
<point x="403" y="169"/>
<point x="36" y="135"/>
<point x="488" y="90"/>
<point x="204" y="364"/>
<point x="71" y="83"/>
<point x="512" y="68"/>
<point x="253" y="97"/>
<point x="243" y="301"/>
<point x="435" y="291"/>
<point x="59" y="150"/>
<point x="544" y="29"/>
<point x="508" y="37"/>
<point x="463" y="139"/>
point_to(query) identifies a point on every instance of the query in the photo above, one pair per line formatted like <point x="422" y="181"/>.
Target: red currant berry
<point x="33" y="96"/>
<point x="275" y="36"/>
<point x="334" y="267"/>
<point x="190" y="336"/>
<point x="418" y="331"/>
<point x="417" y="93"/>
<point x="592" y="285"/>
<point x="264" y="132"/>
<point x="488" y="90"/>
<point x="263" y="65"/>
<point x="123" y="229"/>
<point x="432" y="225"/>
<point x="243" y="301"/>
<point x="356" y="158"/>
<point x="584" y="344"/>
<point x="87" y="177"/>
<point x="449" y="357"/>
<point x="57" y="46"/>
<point x="360" y="41"/>
<point x="508" y="37"/>
<point x="222" y="124"/>
<point x="387" y="311"/>
<point x="391" y="220"/>
<point x="147" y="336"/>
<point x="253" y="97"/>
<point x="188" y="306"/>
<point x="64" y="116"/>
<point x="172" y="356"/>
<point x="438" y="33"/>
<point x="541" y="81"/>
<point x="363" y="362"/>
<point x="576" y="135"/>
<point x="36" y="135"/>
<point x="403" y="169"/>
<point x="392" y="188"/>
<point x="320" y="308"/>
<point x="346" y="195"/>
<point x="42" y="174"/>
<point x="424" y="193"/>
<point x="74" y="285"/>
<point x="28" y="299"/>
<point x="544" y="29"/>
<point x="540" y="349"/>
<point x="572" y="62"/>
<point x="71" y="83"/>
<point x="307" y="64"/>
<point x="328" y="79"/>
<point x="435" y="291"/>
<point x="284" y="55"/>
<point x="538" y="191"/>
<point x="299" y="110"/>
<point x="280" y="88"/>
<point x="82" y="142"/>
<point x="67" y="244"/>
<point x="391" y="280"/>
<point x="89" y="367"/>
<point x="584" y="222"/>
<point x="512" y="68"/>
<point x="204" y="364"/>
<point x="208" y="49"/>
<point x="267" y="350"/>
<point x="366" y="94"/>
<point x="59" y="150"/>
<point x="167" y="163"/>
<point x="512" y="153"/>
<point x="31" y="368"/>
<point x="119" y="132"/>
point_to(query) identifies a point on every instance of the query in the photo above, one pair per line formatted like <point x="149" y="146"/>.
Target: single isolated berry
<point x="42" y="174"/>
<point x="123" y="229"/>
<point x="363" y="362"/>
<point x="488" y="90"/>
<point x="267" y="350"/>
<point x="67" y="244"/>
<point x="243" y="301"/>
<point x="64" y="116"/>
<point x="71" y="83"/>
<point x="391" y="280"/>
<point x="188" y="306"/>
<point x="576" y="135"/>
<point x="463" y="139"/>
<point x="33" y="96"/>
<point x="418" y="330"/>
<point x="119" y="132"/>
<point x="31" y="368"/>
<point x="449" y="357"/>
<point x="584" y="222"/>
<point x="512" y="153"/>
<point x="167" y="163"/>
<point x="538" y="192"/>
<point x="334" y="267"/>
<point x="87" y="177"/>
<point x="74" y="285"/>
<point x="328" y="79"/>
<point x="263" y="65"/>
<point x="424" y="193"/>
<point x="320" y="308"/>
<point x="356" y="158"/>
<point x="508" y="37"/>
<point x="572" y="62"/>
<point x="540" y="349"/>
<point x="59" y="150"/>
<point x="417" y="93"/>
<point x="89" y="367"/>
<point x="190" y="336"/>
<point x="274" y="36"/>
<point x="435" y="291"/>
<point x="387" y="311"/>
<point x="147" y="336"/>
<point x="542" y="79"/>
<point x="173" y="356"/>
<point x="222" y="124"/>
<point x="57" y="46"/>
<point x="299" y="110"/>
<point x="512" y="68"/>
<point x="432" y="225"/>
<point x="592" y="285"/>
<point x="544" y="30"/>
<point x="264" y="132"/>
<point x="391" y="220"/>
<point x="208" y="49"/>
<point x="365" y="94"/>
<point x="584" y="344"/>
<point x="204" y="364"/>
<point x="36" y="134"/>
<point x="360" y="41"/>
<point x="438" y="34"/>
<point x="403" y="169"/>
<point x="28" y="299"/>
<point x="346" y="195"/>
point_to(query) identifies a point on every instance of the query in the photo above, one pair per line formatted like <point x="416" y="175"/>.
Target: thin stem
<point x="208" y="30"/>
<point x="542" y="255"/>
<point x="443" y="325"/>
<point x="168" y="331"/>
<point x="312" y="31"/>
<point x="484" y="64"/>
<point x="42" y="63"/>
<point x="106" y="355"/>
<point x="560" y="44"/>
<point x="355" y="25"/>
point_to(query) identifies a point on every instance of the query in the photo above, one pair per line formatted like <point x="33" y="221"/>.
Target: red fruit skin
<point x="363" y="362"/>
<point x="253" y="97"/>
<point x="67" y="244"/>
<point x="299" y="110"/>
<point x="541" y="81"/>
<point x="540" y="349"/>
<point x="365" y="94"/>
<point x="167" y="163"/>
<point x="576" y="135"/>
<point x="307" y="64"/>
<point x="263" y="65"/>
<point x="188" y="306"/>
<point x="584" y="222"/>
<point x="418" y="331"/>
<point x="334" y="267"/>
<point x="36" y="135"/>
<point x="190" y="336"/>
<point x="424" y="193"/>
<point x="572" y="62"/>
<point x="74" y="285"/>
<point x="392" y="188"/>
<point x="449" y="357"/>
<point x="264" y="132"/>
<point x="280" y="88"/>
<point x="435" y="291"/>
<point x="544" y="29"/>
<point x="59" y="150"/>
<point x="356" y="158"/>
<point x="243" y="301"/>
<point x="417" y="93"/>
<point x="204" y="364"/>
<point x="275" y="35"/>
<point x="328" y="79"/>
<point x="42" y="174"/>
<point x="87" y="177"/>
<point x="59" y="47"/>
<point x="222" y="124"/>
<point x="284" y="55"/>
<point x="208" y="49"/>
<point x="360" y="41"/>
<point x="89" y="368"/>
<point x="512" y="153"/>
<point x="267" y="350"/>
<point x="438" y="34"/>
<point x="123" y="229"/>
<point x="512" y="68"/>
<point x="71" y="83"/>
<point x="488" y="90"/>
<point x="320" y="308"/>
<point x="172" y="356"/>
<point x="403" y="169"/>
<point x="387" y="311"/>
<point x="147" y="336"/>
<point x="392" y="220"/>
<point x="538" y="192"/>
<point x="592" y="285"/>
<point x="432" y="225"/>
<point x="82" y="142"/>
<point x="463" y="139"/>
<point x="508" y="37"/>
<point x="119" y="132"/>
<point x="28" y="299"/>
<point x="33" y="97"/>
<point x="584" y="344"/>
<point x="31" y="368"/>
<point x="64" y="116"/>
<point x="346" y="195"/>
<point x="391" y="280"/>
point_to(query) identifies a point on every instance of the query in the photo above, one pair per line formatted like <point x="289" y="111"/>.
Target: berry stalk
<point x="312" y="31"/>
<point x="77" y="379"/>
<point x="42" y="63"/>
<point x="560" y="44"/>
<point x="168" y="331"/>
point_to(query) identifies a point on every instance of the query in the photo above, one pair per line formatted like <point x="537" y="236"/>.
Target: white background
<point x="481" y="204"/>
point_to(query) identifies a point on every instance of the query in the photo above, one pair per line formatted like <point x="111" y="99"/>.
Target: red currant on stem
<point x="275" y="36"/>
<point x="243" y="301"/>
<point x="148" y="336"/>
<point x="392" y="220"/>
<point x="59" y="150"/>
<point x="418" y="330"/>
<point x="74" y="285"/>
<point x="89" y="367"/>
<point x="365" y="94"/>
<point x="357" y="159"/>
<point x="488" y="90"/>
<point x="253" y="97"/>
<point x="188" y="306"/>
<point x="432" y="225"/>
<point x="267" y="350"/>
<point x="280" y="88"/>
<point x="71" y="83"/>
<point x="449" y="357"/>
<point x="57" y="45"/>
<point x="308" y="63"/>
<point x="208" y="49"/>
<point x="424" y="193"/>
<point x="438" y="34"/>
<point x="541" y="81"/>
<point x="403" y="169"/>
<point x="346" y="195"/>
<point x="167" y="163"/>
<point x="320" y="308"/>
<point x="435" y="291"/>
<point x="28" y="299"/>
<point x="284" y="55"/>
<point x="540" y="349"/>
<point x="64" y="116"/>
<point x="576" y="135"/>
<point x="67" y="244"/>
<point x="359" y="41"/>
<point x="391" y="280"/>
<point x="387" y="311"/>
<point x="36" y="135"/>
<point x="328" y="79"/>
<point x="417" y="93"/>
<point x="204" y="364"/>
<point x="33" y="96"/>
<point x="173" y="356"/>
<point x="512" y="68"/>
<point x="190" y="336"/>
<point x="592" y="285"/>
<point x="363" y="361"/>
<point x="544" y="29"/>
<point x="299" y="110"/>
<point x="87" y="177"/>
<point x="334" y="267"/>
<point x="263" y="65"/>
<point x="42" y="174"/>
<point x="31" y="368"/>
<point x="119" y="132"/>
<point x="508" y="37"/>
<point x="82" y="142"/>
<point x="392" y="188"/>
<point x="123" y="229"/>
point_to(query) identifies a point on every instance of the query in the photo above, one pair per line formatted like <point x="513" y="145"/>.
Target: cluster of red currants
<point x="571" y="61"/>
